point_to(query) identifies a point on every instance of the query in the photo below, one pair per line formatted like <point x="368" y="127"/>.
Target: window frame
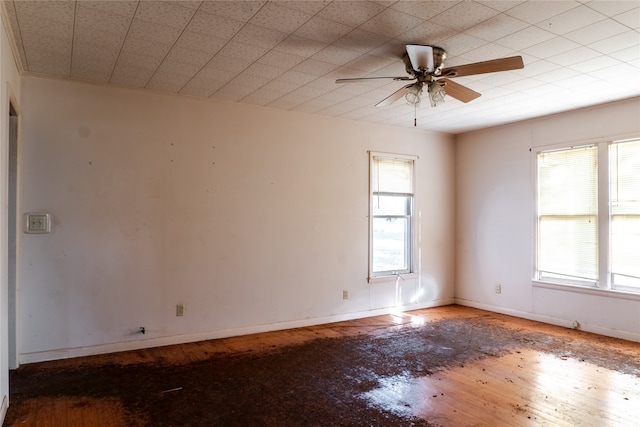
<point x="604" y="284"/>
<point x="410" y="244"/>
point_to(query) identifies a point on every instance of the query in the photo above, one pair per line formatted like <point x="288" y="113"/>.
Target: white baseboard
<point x="186" y="338"/>
<point x="567" y="323"/>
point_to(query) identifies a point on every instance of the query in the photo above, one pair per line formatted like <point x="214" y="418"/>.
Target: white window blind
<point x="624" y="170"/>
<point x="392" y="175"/>
<point x="568" y="215"/>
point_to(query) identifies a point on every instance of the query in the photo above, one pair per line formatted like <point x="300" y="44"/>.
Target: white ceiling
<point x="288" y="54"/>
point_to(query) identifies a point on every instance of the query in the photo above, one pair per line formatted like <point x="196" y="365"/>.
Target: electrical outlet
<point x="498" y="289"/>
<point x="180" y="310"/>
<point x="345" y="294"/>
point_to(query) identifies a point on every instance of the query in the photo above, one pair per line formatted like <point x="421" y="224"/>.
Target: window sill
<point x="392" y="278"/>
<point x="610" y="293"/>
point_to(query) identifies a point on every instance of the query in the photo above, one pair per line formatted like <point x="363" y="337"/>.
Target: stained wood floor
<point x="580" y="385"/>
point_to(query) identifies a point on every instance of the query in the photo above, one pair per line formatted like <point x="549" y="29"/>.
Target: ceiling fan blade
<point x="362" y="79"/>
<point x="492" y="66"/>
<point x="394" y="96"/>
<point x="457" y="91"/>
<point x="421" y="57"/>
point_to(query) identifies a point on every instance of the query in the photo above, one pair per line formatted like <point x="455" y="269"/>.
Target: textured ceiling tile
<point x="533" y="12"/>
<point x="497" y="27"/>
<point x="551" y="47"/>
<point x="131" y="75"/>
<point x="46" y="62"/>
<point x="259" y="36"/>
<point x="428" y="33"/>
<point x="91" y="70"/>
<point x="212" y="73"/>
<point x="224" y="65"/>
<point x="460" y="44"/>
<point x="360" y="40"/>
<point x="297" y="78"/>
<point x="488" y="51"/>
<point x="236" y="10"/>
<point x="631" y="18"/>
<point x="501" y="5"/>
<point x="275" y="16"/>
<point x="240" y="87"/>
<point x="311" y="7"/>
<point x="55" y="11"/>
<point x="201" y="87"/>
<point x="200" y="42"/>
<point x="525" y="38"/>
<point x="370" y="63"/>
<point x="300" y="46"/>
<point x="391" y="23"/>
<point x="465" y="15"/>
<point x="630" y="55"/>
<point x="598" y="31"/>
<point x="423" y="9"/>
<point x="351" y="13"/>
<point x="246" y="53"/>
<point x="144" y="48"/>
<point x="621" y="41"/>
<point x="597" y="63"/>
<point x="153" y="32"/>
<point x="124" y="8"/>
<point x="612" y="7"/>
<point x="574" y="56"/>
<point x="264" y="71"/>
<point x="280" y="59"/>
<point x="214" y="25"/>
<point x="53" y="45"/>
<point x="323" y="30"/>
<point x="571" y="20"/>
<point x="189" y="56"/>
<point x="41" y="25"/>
<point x="94" y="53"/>
<point x="315" y="67"/>
<point x="289" y="101"/>
<point x="336" y="55"/>
<point x="164" y="13"/>
<point x="93" y="20"/>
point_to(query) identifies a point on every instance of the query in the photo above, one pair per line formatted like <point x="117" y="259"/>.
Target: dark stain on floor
<point x="322" y="382"/>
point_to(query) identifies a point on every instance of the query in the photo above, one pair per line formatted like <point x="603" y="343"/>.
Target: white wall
<point x="253" y="218"/>
<point x="9" y="91"/>
<point x="495" y="219"/>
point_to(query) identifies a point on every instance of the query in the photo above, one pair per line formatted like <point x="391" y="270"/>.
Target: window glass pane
<point x="390" y="244"/>
<point x="392" y="175"/>
<point x="567" y="247"/>
<point x="624" y="170"/>
<point x="567" y="214"/>
<point x="391" y="205"/>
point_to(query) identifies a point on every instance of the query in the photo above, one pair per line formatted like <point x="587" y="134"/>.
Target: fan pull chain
<point x="415" y="118"/>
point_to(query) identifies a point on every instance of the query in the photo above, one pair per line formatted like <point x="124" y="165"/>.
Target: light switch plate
<point x="37" y="223"/>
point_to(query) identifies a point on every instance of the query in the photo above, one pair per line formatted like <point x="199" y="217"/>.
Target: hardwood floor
<point x="522" y="373"/>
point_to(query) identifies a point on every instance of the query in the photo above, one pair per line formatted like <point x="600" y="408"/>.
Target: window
<point x="391" y="214"/>
<point x="588" y="212"/>
<point x="624" y="181"/>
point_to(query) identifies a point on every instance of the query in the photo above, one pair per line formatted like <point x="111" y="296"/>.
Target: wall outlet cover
<point x="37" y="223"/>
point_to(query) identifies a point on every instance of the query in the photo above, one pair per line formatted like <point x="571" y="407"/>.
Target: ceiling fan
<point x="425" y="65"/>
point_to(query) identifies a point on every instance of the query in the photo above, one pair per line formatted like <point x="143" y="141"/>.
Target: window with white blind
<point x="588" y="211"/>
<point x="624" y="181"/>
<point x="391" y="214"/>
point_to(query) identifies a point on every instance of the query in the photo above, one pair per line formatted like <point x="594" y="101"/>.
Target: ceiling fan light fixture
<point x="414" y="94"/>
<point x="436" y="94"/>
